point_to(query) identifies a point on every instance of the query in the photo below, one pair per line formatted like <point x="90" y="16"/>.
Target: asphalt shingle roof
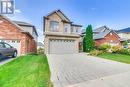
<point x="126" y="30"/>
<point x="23" y="23"/>
<point x="101" y="35"/>
<point x="101" y="32"/>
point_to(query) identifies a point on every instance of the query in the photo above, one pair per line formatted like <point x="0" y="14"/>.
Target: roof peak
<point x="62" y="15"/>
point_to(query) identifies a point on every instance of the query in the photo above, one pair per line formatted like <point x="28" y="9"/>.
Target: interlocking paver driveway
<point x="77" y="70"/>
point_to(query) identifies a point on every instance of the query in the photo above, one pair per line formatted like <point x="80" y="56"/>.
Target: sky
<point x="113" y="13"/>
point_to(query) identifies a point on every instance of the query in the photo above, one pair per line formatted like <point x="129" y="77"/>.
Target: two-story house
<point x="61" y="35"/>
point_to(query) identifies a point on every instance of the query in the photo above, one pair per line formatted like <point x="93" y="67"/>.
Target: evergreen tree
<point x="84" y="44"/>
<point x="89" y="39"/>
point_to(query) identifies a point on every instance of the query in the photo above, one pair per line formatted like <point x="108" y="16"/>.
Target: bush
<point x="124" y="51"/>
<point x="40" y="51"/>
<point x="125" y="43"/>
<point x="104" y="47"/>
<point x="116" y="49"/>
<point x="95" y="52"/>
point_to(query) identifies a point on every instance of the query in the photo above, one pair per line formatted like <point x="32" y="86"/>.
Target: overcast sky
<point x="112" y="13"/>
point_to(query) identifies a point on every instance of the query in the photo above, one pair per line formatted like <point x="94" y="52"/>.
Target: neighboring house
<point x="124" y="33"/>
<point x="61" y="35"/>
<point x="18" y="35"/>
<point x="104" y="35"/>
<point x="40" y="45"/>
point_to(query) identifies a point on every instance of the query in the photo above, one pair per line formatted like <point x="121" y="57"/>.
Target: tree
<point x="84" y="44"/>
<point x="89" y="42"/>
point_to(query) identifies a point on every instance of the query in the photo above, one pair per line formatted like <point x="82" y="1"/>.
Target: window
<point x="66" y="27"/>
<point x="110" y="33"/>
<point x="71" y="30"/>
<point x="7" y="46"/>
<point x="76" y="30"/>
<point x="13" y="41"/>
<point x="54" y="26"/>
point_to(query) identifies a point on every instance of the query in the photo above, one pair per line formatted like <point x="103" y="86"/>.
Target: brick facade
<point x="11" y="31"/>
<point x="108" y="38"/>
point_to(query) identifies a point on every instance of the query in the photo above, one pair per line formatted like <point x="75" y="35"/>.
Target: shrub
<point x="125" y="43"/>
<point x="116" y="49"/>
<point x="104" y="47"/>
<point x="95" y="52"/>
<point x="40" y="51"/>
<point x="124" y="51"/>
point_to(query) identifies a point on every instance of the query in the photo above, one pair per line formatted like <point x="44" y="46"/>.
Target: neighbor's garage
<point x="62" y="46"/>
<point x="14" y="43"/>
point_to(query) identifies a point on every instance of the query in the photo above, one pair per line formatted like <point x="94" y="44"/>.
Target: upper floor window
<point x="72" y="30"/>
<point x="76" y="30"/>
<point x="66" y="27"/>
<point x="54" y="26"/>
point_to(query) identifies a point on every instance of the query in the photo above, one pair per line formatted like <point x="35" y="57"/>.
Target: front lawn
<point x="26" y="71"/>
<point x="116" y="57"/>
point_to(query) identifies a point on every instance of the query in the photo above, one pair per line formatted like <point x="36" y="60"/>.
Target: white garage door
<point x="62" y="46"/>
<point x="14" y="43"/>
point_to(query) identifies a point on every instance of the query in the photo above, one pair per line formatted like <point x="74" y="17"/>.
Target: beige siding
<point x="124" y="35"/>
<point x="30" y="30"/>
<point x="60" y="34"/>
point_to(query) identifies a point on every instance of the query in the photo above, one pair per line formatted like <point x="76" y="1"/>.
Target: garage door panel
<point x="62" y="46"/>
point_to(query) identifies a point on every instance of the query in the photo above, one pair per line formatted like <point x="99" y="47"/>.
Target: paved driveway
<point x="80" y="70"/>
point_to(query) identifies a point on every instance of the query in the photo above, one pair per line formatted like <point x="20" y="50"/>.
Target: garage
<point x="14" y="43"/>
<point x="60" y="46"/>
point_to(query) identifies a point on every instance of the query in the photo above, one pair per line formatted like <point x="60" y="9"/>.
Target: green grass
<point x="26" y="71"/>
<point x="116" y="57"/>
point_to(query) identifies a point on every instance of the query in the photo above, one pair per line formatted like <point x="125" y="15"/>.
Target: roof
<point x="101" y="35"/>
<point x="102" y="29"/>
<point x="21" y="23"/>
<point x="76" y="25"/>
<point x="61" y="14"/>
<point x="126" y="30"/>
<point x="15" y="24"/>
<point x="39" y="44"/>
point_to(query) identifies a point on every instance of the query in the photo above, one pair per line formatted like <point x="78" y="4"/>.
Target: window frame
<point x="52" y="26"/>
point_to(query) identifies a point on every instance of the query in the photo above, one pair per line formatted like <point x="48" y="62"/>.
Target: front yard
<point x="116" y="57"/>
<point x="26" y="71"/>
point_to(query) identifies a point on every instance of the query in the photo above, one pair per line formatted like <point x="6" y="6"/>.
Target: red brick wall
<point x="114" y="37"/>
<point x="10" y="31"/>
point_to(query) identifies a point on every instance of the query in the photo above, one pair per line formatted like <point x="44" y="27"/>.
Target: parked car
<point x="7" y="50"/>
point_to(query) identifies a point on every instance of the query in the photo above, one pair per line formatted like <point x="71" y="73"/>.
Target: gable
<point x="60" y="14"/>
<point x="113" y="35"/>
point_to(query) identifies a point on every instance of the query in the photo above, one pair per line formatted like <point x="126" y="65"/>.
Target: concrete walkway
<point x="6" y="61"/>
<point x="80" y="70"/>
